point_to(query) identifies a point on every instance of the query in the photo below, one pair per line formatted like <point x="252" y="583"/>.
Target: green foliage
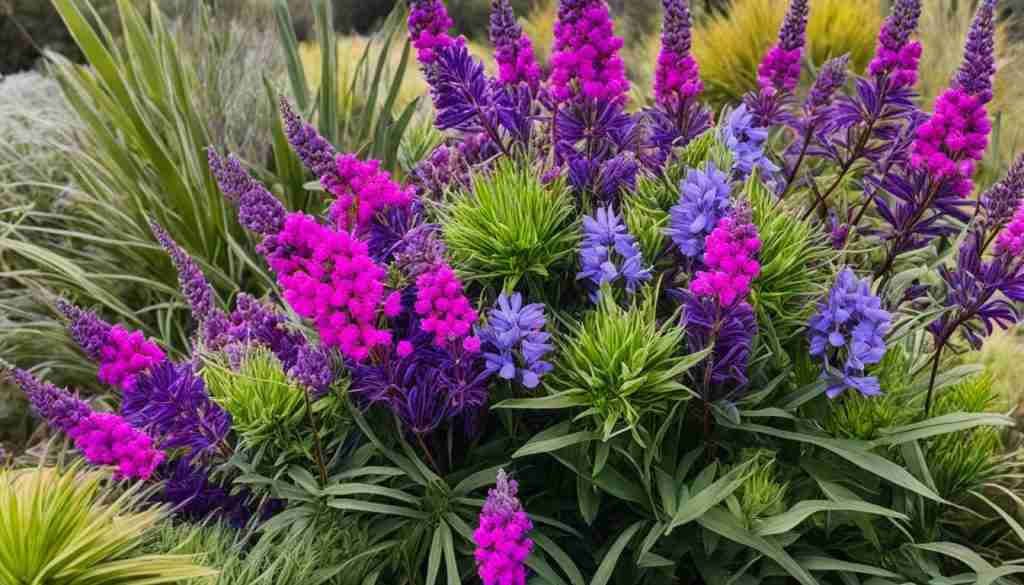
<point x="266" y="406"/>
<point x="965" y="460"/>
<point x="622" y="363"/>
<point x="63" y="526"/>
<point x="796" y="269"/>
<point x="309" y="558"/>
<point x="762" y="494"/>
<point x="511" y="227"/>
<point x="646" y="212"/>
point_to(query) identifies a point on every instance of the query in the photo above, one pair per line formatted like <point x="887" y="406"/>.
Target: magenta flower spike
<point x="585" y="61"/>
<point x="502" y="541"/>
<point x="780" y="69"/>
<point x="513" y="50"/>
<point x="677" y="76"/>
<point x="954" y="139"/>
<point x="897" y="55"/>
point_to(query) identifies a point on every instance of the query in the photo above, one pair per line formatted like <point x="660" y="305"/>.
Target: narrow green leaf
<point x="792" y="518"/>
<point x="710" y="496"/>
<point x="723" y="523"/>
<point x="611" y="558"/>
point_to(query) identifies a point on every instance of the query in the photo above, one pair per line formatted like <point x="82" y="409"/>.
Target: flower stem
<point x="319" y="453"/>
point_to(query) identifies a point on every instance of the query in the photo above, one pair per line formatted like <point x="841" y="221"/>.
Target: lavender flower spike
<point x="515" y="341"/>
<point x="58" y="407"/>
<point x="848" y="334"/>
<point x="258" y="210"/>
<point x="513" y="49"/>
<point x="314" y="151"/>
<point x="200" y="295"/>
<point x="979" y="65"/>
<point x="703" y="202"/>
<point x="609" y="254"/>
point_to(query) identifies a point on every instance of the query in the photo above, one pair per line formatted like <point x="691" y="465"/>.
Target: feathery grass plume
<point x="729" y="46"/>
<point x="66" y="525"/>
<point x="510" y="227"/>
<point x="264" y="403"/>
<point x="796" y="259"/>
<point x="621" y="363"/>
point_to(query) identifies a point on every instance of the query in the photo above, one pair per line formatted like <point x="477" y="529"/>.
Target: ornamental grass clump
<point x="69" y="525"/>
<point x="709" y="349"/>
<point x="510" y="227"/>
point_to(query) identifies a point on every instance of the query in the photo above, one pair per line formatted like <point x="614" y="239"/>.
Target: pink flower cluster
<point x="106" y="439"/>
<point x="428" y="26"/>
<point x="953" y="140"/>
<point x="502" y="544"/>
<point x="586" y="53"/>
<point x="780" y="69"/>
<point x="898" y="60"/>
<point x="1011" y="239"/>
<point x="731" y="260"/>
<point x="517" y="63"/>
<point x="677" y="78"/>
<point x="362" y="190"/>
<point x="443" y="307"/>
<point x="328" y="277"/>
<point x="125" y="356"/>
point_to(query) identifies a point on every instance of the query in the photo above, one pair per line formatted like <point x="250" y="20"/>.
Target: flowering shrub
<point x="705" y="342"/>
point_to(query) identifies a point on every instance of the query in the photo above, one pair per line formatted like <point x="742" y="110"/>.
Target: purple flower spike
<point x="703" y="202"/>
<point x="313" y="150"/>
<point x="848" y="334"/>
<point x="502" y="544"/>
<point x="513" y="49"/>
<point x="677" y="76"/>
<point x="585" y="60"/>
<point x="515" y="342"/>
<point x="313" y="369"/>
<point x="197" y="290"/>
<point x="428" y="28"/>
<point x="1001" y="201"/>
<point x="90" y="332"/>
<point x="831" y="79"/>
<point x="171" y="403"/>
<point x="59" y="408"/>
<point x="897" y="55"/>
<point x="975" y="74"/>
<point x="734" y="328"/>
<point x="609" y="254"/>
<point x="780" y="69"/>
<point x="258" y="210"/>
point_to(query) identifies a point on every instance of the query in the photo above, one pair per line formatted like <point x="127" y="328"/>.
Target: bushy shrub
<point x="28" y="28"/>
<point x="69" y="525"/>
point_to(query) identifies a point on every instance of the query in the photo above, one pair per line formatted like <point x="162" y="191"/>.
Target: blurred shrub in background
<point x="28" y="27"/>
